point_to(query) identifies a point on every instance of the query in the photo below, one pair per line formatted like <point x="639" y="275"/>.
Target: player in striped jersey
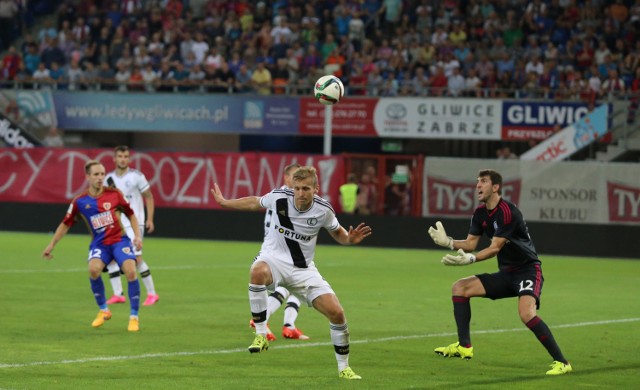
<point x="135" y="187"/>
<point x="286" y="258"/>
<point x="519" y="269"/>
<point x="277" y="297"/>
<point x="101" y="208"/>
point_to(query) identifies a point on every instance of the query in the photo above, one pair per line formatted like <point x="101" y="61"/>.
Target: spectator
<point x="85" y="79"/>
<point x="106" y="77"/>
<point x="243" y="79"/>
<point x="10" y="64"/>
<point x="261" y="79"/>
<point x="349" y="195"/>
<point x="42" y="77"/>
<point x="149" y="78"/>
<point x="53" y="139"/>
<point x="456" y="83"/>
<point x="367" y="195"/>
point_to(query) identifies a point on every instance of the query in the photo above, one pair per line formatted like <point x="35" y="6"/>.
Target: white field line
<point x="160" y="267"/>
<point x="299" y="345"/>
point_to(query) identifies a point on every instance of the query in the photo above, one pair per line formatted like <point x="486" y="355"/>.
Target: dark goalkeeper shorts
<point x="504" y="284"/>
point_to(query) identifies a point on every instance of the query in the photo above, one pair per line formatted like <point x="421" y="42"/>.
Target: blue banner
<point x="247" y="114"/>
<point x="523" y="120"/>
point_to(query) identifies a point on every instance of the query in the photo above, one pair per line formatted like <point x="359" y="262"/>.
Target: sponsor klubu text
<point x="577" y="194"/>
<point x="13" y="137"/>
<point x="550" y="115"/>
<point x="151" y="114"/>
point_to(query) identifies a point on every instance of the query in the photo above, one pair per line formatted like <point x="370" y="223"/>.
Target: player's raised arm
<point x="248" y="203"/>
<point x="353" y="236"/>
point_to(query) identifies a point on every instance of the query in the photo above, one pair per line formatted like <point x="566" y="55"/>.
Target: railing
<point x="302" y="88"/>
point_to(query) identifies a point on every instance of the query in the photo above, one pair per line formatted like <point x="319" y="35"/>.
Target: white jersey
<point x="291" y="235"/>
<point x="132" y="184"/>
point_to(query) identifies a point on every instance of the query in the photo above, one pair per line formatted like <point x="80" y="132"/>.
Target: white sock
<point x="146" y="277"/>
<point x="258" y="302"/>
<point x="291" y="311"/>
<point x="340" y="340"/>
<point x="274" y="303"/>
<point x="116" y="282"/>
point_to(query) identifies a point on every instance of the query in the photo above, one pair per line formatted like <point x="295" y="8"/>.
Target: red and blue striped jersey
<point x="101" y="214"/>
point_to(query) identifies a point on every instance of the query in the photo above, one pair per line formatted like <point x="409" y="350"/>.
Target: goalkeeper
<point x="519" y="274"/>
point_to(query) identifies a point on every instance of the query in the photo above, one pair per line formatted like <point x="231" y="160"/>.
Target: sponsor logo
<point x="549" y="115"/>
<point x="447" y="197"/>
<point x="101" y="220"/>
<point x="624" y="203"/>
<point x="287" y="233"/>
<point x="14" y="137"/>
<point x="253" y="114"/>
<point x="396" y="111"/>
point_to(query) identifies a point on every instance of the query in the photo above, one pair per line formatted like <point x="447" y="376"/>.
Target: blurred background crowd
<point x="560" y="49"/>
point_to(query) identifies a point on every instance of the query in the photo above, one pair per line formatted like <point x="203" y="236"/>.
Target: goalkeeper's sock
<point x="462" y="314"/>
<point x="543" y="333"/>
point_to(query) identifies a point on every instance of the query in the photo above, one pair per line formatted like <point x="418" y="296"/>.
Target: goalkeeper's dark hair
<point x="494" y="176"/>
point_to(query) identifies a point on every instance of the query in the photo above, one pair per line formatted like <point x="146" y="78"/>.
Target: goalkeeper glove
<point x="462" y="258"/>
<point x="440" y="237"/>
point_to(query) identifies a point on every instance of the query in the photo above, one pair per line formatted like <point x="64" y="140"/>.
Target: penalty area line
<point x="299" y="345"/>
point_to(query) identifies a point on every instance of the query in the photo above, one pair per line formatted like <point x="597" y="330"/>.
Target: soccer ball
<point x="328" y="90"/>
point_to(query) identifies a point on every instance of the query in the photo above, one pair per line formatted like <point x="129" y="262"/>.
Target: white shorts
<point x="305" y="283"/>
<point x="129" y="231"/>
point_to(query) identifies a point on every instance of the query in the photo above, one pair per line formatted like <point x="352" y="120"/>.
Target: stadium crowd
<point x="560" y="49"/>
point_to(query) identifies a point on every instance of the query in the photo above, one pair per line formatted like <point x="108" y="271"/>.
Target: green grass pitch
<point x="397" y="303"/>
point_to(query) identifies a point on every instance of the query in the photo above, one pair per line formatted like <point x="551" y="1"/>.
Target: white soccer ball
<point x="328" y="90"/>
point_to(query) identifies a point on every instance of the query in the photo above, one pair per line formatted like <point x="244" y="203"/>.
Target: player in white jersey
<point x="287" y="256"/>
<point x="134" y="185"/>
<point x="276" y="298"/>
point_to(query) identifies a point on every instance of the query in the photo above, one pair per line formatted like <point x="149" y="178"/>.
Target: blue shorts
<point x="120" y="252"/>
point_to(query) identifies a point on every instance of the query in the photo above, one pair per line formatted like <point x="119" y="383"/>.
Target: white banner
<point x="446" y="118"/>
<point x="572" y="138"/>
<point x="564" y="192"/>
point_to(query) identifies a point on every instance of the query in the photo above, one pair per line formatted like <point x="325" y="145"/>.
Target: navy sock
<point x="543" y="334"/>
<point x="462" y="314"/>
<point x="97" y="286"/>
<point x="134" y="296"/>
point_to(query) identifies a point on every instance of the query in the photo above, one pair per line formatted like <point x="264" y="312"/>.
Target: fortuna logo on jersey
<point x="101" y="220"/>
<point x="291" y="234"/>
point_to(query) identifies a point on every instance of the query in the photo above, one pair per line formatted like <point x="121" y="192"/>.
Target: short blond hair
<point x="89" y="164"/>
<point x="305" y="172"/>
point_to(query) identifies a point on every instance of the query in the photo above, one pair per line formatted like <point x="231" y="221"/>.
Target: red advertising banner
<point x="351" y="117"/>
<point x="183" y="179"/>
<point x="458" y="198"/>
<point x="624" y="202"/>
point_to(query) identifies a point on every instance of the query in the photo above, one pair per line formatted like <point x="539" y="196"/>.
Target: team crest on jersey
<point x="312" y="221"/>
<point x="126" y="250"/>
<point x="107" y="205"/>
